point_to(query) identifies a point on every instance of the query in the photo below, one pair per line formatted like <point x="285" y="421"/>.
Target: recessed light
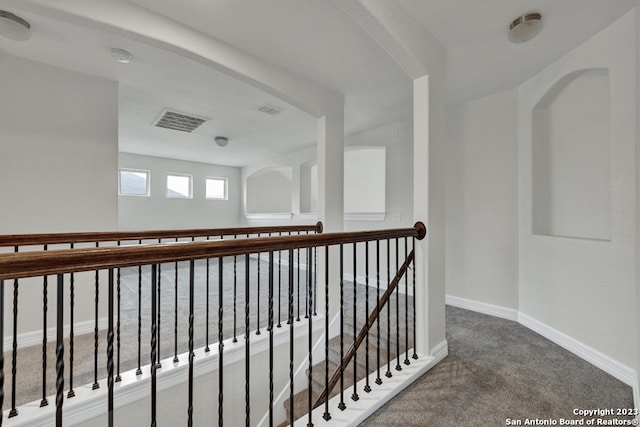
<point x="121" y="55"/>
<point x="13" y="27"/>
<point x="525" y="27"/>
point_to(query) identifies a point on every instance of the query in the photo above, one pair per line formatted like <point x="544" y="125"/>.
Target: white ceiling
<point x="314" y="39"/>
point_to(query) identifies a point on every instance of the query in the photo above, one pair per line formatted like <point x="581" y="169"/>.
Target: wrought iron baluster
<point x="118" y="378"/>
<point x="341" y="405"/>
<point x="307" y="312"/>
<point x="159" y="312"/>
<point x="406" y="306"/>
<point x="290" y="321"/>
<point x="367" y="387"/>
<point x="415" y="355"/>
<point x="220" y="344"/>
<point x="247" y="353"/>
<point x="298" y="290"/>
<point x="14" y="355"/>
<point x="378" y="379"/>
<point x="388" y="374"/>
<point x="110" y="379"/>
<point x="44" y="401"/>
<point x="315" y="281"/>
<point x="96" y="385"/>
<point x="398" y="366"/>
<point x="155" y="343"/>
<point x="355" y="396"/>
<point x="310" y="332"/>
<point x="1" y="352"/>
<point x="270" y="340"/>
<point x="279" y="285"/>
<point x="59" y="349"/>
<point x="206" y="323"/>
<point x="258" y="303"/>
<point x="235" y="293"/>
<point x="139" y="370"/>
<point x="175" y="314"/>
<point x="72" y="291"/>
<point x="191" y="317"/>
<point x="327" y="415"/>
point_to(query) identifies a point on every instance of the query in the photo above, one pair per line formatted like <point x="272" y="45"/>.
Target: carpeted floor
<point x="498" y="370"/>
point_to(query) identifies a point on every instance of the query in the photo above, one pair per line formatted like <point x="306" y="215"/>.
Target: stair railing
<point x="63" y="263"/>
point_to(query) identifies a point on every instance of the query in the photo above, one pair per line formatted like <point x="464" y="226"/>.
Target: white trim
<point x="365" y="216"/>
<point x="357" y="412"/>
<point x="309" y="216"/>
<point x="269" y="216"/>
<point x="591" y="355"/>
<point x="31" y="338"/>
<point x="482" y="307"/>
<point x="636" y="395"/>
<point x="89" y="404"/>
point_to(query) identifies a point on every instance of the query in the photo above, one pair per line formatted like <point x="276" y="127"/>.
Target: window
<point x="179" y="186"/>
<point x="216" y="188"/>
<point x="133" y="182"/>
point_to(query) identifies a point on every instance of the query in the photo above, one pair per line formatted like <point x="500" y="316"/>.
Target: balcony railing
<point x="287" y="254"/>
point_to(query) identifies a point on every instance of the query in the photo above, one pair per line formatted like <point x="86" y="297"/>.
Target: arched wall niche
<point x="269" y="190"/>
<point x="572" y="159"/>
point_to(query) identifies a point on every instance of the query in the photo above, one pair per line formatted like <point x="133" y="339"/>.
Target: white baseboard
<point x="589" y="354"/>
<point x="482" y="307"/>
<point x="28" y="339"/>
<point x="636" y="395"/>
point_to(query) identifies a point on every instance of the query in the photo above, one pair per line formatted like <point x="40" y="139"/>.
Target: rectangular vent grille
<point x="179" y="121"/>
<point x="270" y="109"/>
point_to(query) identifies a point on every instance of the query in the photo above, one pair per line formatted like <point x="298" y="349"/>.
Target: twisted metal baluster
<point x="258" y="304"/>
<point x="175" y="315"/>
<point x="398" y="355"/>
<point x="191" y="317"/>
<point x="14" y="355"/>
<point x="72" y="291"/>
<point x="341" y="405"/>
<point x="388" y="374"/>
<point x="247" y="353"/>
<point x="406" y="306"/>
<point x="159" y="312"/>
<point x="355" y="396"/>
<point x="96" y="385"/>
<point x="44" y="401"/>
<point x="118" y="378"/>
<point x="315" y="280"/>
<point x="59" y="349"/>
<point x="327" y="415"/>
<point x="206" y="327"/>
<point x="139" y="370"/>
<point x="367" y="387"/>
<point x="110" y="380"/>
<point x="415" y="355"/>
<point x="279" y="325"/>
<point x="307" y="312"/>
<point x="220" y="345"/>
<point x="270" y="339"/>
<point x="298" y="291"/>
<point x="235" y="292"/>
<point x="155" y="343"/>
<point x="310" y="332"/>
<point x="291" y="354"/>
<point x="378" y="379"/>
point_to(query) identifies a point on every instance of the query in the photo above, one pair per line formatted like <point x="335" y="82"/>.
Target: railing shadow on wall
<point x="280" y="250"/>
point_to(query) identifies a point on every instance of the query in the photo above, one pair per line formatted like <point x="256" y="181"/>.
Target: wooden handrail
<point x="373" y="316"/>
<point x="44" y="263"/>
<point x="114" y="236"/>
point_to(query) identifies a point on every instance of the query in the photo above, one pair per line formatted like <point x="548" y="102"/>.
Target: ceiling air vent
<point x="179" y="121"/>
<point x="270" y="109"/>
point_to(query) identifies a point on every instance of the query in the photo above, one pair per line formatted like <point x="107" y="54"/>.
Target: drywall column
<point x="428" y="207"/>
<point x="330" y="197"/>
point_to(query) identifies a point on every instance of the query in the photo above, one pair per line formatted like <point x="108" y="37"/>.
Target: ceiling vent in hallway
<point x="272" y="110"/>
<point x="179" y="121"/>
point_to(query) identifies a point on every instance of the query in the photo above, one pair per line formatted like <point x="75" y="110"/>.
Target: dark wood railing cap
<point x="43" y="263"/>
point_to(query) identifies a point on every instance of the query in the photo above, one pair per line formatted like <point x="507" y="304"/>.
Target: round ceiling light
<point x="121" y="55"/>
<point x="525" y="27"/>
<point x="13" y="27"/>
<point x="222" y="141"/>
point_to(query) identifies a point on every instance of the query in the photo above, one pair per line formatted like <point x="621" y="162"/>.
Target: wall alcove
<point x="571" y="158"/>
<point x="269" y="190"/>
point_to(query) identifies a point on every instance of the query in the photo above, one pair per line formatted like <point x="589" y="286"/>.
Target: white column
<point x="428" y="207"/>
<point x="636" y="383"/>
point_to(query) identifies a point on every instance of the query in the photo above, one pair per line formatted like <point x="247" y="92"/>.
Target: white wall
<point x="160" y="212"/>
<point x="585" y="288"/>
<point x="482" y="200"/>
<point x="58" y="163"/>
<point x="270" y="190"/>
<point x="58" y="149"/>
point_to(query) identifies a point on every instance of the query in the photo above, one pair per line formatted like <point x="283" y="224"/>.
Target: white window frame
<point x="148" y="173"/>
<point x="226" y="187"/>
<point x="169" y="174"/>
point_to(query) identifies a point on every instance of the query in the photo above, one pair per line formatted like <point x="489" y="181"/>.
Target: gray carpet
<point x="498" y="370"/>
